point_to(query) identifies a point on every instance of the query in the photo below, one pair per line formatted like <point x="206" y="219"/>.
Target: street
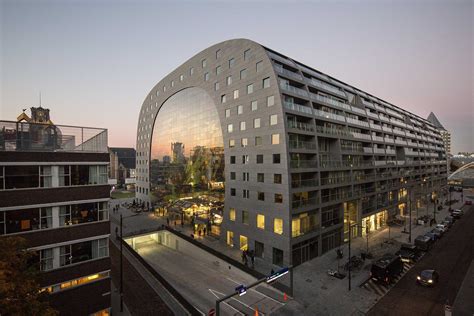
<point x="451" y="257"/>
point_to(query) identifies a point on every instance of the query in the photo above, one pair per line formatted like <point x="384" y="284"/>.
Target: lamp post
<point x="349" y="223"/>
<point x="121" y="264"/>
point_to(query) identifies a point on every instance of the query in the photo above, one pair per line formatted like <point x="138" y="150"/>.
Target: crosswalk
<point x="381" y="289"/>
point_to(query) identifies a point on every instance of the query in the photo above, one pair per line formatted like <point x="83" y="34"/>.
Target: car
<point x="450" y="219"/>
<point x="423" y="242"/>
<point x="431" y="236"/>
<point x="447" y="223"/>
<point x="386" y="268"/>
<point x="408" y="253"/>
<point x="427" y="278"/>
<point x="468" y="202"/>
<point x="457" y="214"/>
<point x="439" y="233"/>
<point x="442" y="227"/>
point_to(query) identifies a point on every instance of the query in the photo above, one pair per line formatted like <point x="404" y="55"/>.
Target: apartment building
<point x="294" y="156"/>
<point x="54" y="193"/>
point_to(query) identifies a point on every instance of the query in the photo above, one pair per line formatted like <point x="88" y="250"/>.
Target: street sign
<point x="241" y="289"/>
<point x="212" y="312"/>
<point x="277" y="275"/>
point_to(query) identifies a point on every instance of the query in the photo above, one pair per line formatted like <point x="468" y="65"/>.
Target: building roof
<point x="434" y="120"/>
<point x="126" y="156"/>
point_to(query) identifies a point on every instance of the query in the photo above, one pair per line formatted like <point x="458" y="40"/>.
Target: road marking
<point x="254" y="290"/>
<point x="212" y="291"/>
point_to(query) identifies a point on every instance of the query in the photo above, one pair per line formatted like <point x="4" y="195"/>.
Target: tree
<point x="20" y="292"/>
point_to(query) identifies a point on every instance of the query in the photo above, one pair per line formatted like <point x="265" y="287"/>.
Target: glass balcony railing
<point x="327" y="87"/>
<point x="357" y="122"/>
<point x="298" y="107"/>
<point x="297" y="144"/>
<point x="329" y="115"/>
<point x="303" y="164"/>
<point x="374" y="115"/>
<point x="335" y="180"/>
<point x="22" y="136"/>
<point x="377" y="138"/>
<point x="289" y="73"/>
<point x="361" y="136"/>
<point x="327" y="100"/>
<point x="301" y="126"/>
<point x="332" y="131"/>
<point x="379" y="150"/>
<point x="304" y="183"/>
<point x="375" y="126"/>
<point x="296" y="203"/>
<point x="293" y="89"/>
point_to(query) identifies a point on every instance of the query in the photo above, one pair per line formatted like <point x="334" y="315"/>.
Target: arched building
<point x="287" y="154"/>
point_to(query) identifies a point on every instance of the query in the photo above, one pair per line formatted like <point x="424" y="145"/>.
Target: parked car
<point x="428" y="278"/>
<point x="447" y="222"/>
<point x="423" y="242"/>
<point x="437" y="232"/>
<point x="443" y="227"/>
<point x="457" y="214"/>
<point x="386" y="268"/>
<point x="408" y="253"/>
<point x="450" y="219"/>
<point x="431" y="236"/>
<point x="468" y="202"/>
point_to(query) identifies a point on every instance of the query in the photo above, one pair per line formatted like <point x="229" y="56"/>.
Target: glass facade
<point x="187" y="159"/>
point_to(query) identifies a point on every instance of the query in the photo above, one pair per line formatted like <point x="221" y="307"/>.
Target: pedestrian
<point x="167" y="222"/>
<point x="204" y="229"/>
<point x="199" y="233"/>
<point x="182" y="223"/>
<point x="116" y="232"/>
<point x="252" y="258"/>
<point x="243" y="256"/>
<point x="174" y="223"/>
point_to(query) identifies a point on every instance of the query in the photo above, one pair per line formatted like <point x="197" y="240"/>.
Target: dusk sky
<point x="95" y="61"/>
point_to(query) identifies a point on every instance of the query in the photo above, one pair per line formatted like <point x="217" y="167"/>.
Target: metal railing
<point x="295" y="203"/>
<point x="297" y="144"/>
<point x="304" y="183"/>
<point x="298" y="107"/>
<point x="303" y="164"/>
<point x="23" y="136"/>
<point x="301" y="126"/>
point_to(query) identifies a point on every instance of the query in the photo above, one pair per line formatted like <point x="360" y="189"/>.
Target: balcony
<point x="388" y="140"/>
<point x="358" y="111"/>
<point x="305" y="202"/>
<point x="377" y="138"/>
<point x="297" y="144"/>
<point x="352" y="149"/>
<point x="288" y="73"/>
<point x="335" y="180"/>
<point x="332" y="131"/>
<point x="390" y="151"/>
<point x="304" y="183"/>
<point x="361" y="136"/>
<point x="369" y="104"/>
<point x="400" y="142"/>
<point x="379" y="150"/>
<point x="329" y="115"/>
<point x="357" y="122"/>
<point x="399" y="132"/>
<point x="293" y="89"/>
<point x="301" y="126"/>
<point x="21" y="136"/>
<point x="327" y="87"/>
<point x="387" y="129"/>
<point x="329" y="164"/>
<point x="298" y="108"/>
<point x="329" y="101"/>
<point x="368" y="150"/>
<point x="303" y="164"/>
<point x="375" y="126"/>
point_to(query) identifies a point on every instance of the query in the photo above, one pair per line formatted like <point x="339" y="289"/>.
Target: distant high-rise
<point x="445" y="134"/>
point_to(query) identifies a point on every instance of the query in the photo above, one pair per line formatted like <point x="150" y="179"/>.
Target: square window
<point x="259" y="66"/>
<point x="206" y="76"/>
<point x="229" y="80"/>
<point x="242" y="126"/>
<point x="266" y="83"/>
<point x="245" y="176"/>
<point x="230" y="238"/>
<point x="172" y="84"/>
<point x="244" y="142"/>
<point x="181" y="77"/>
<point x="276" y="158"/>
<point x="260" y="221"/>
<point x="231" y="143"/>
<point x="232" y="160"/>
<point x="191" y="71"/>
<point x="230" y="128"/>
<point x="216" y="86"/>
<point x="246" y="194"/>
<point x="164" y="88"/>
<point x="273" y="119"/>
<point x="275" y="139"/>
<point x="236" y="94"/>
<point x="232" y="214"/>
<point x="231" y="62"/>
<point x="260" y="177"/>
<point x="204" y="63"/>
<point x="247" y="54"/>
<point x="277" y="178"/>
<point x="243" y="74"/>
<point x="223" y="98"/>
<point x="254" y="105"/>
<point x="259" y="159"/>
<point x="258" y="140"/>
<point x="245" y="217"/>
<point x="261" y="196"/>
<point x="245" y="159"/>
<point x="218" y="54"/>
<point x="227" y="113"/>
<point x="256" y="123"/>
<point x="240" y="109"/>
<point x="250" y="88"/>
<point x="232" y="175"/>
<point x="277" y="257"/>
<point x="218" y="70"/>
<point x="270" y="100"/>
<point x="232" y="191"/>
<point x="278" y="198"/>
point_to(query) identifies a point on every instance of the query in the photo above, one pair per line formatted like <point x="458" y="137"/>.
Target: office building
<point x="122" y="165"/>
<point x="287" y="156"/>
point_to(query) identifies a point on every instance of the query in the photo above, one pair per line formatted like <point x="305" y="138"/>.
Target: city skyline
<point x="82" y="55"/>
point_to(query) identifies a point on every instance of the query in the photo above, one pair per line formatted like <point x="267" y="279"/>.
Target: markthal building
<point x="274" y="156"/>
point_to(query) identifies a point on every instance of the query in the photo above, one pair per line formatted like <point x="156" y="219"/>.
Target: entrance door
<point x="259" y="249"/>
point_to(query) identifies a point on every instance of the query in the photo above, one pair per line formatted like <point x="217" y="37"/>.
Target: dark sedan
<point x="428" y="277"/>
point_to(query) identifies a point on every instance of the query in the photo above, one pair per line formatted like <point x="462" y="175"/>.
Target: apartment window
<point x="254" y="105"/>
<point x="83" y="213"/>
<point x="172" y="84"/>
<point x="244" y="142"/>
<point x="258" y="140"/>
<point x="240" y="109"/>
<point x="270" y="100"/>
<point x="227" y="113"/>
<point x="103" y="247"/>
<point x="216" y="86"/>
<point x="277" y="257"/>
<point x="275" y="139"/>
<point x="204" y="63"/>
<point x="231" y="143"/>
<point x="236" y="94"/>
<point x="260" y="221"/>
<point x="206" y="76"/>
<point x="229" y="80"/>
<point x="244" y="245"/>
<point x="191" y="71"/>
<point x="245" y="217"/>
<point x="218" y="54"/>
<point x="245" y="159"/>
<point x="246" y="194"/>
<point x="259" y="66"/>
<point x="231" y="62"/>
<point x="46" y="259"/>
<point x="46" y="217"/>
<point x="266" y="83"/>
<point x="277" y="178"/>
<point x="230" y="238"/>
<point x="256" y="123"/>
<point x="259" y="159"/>
<point x="247" y="54"/>
<point x="276" y="158"/>
<point x="278" y="198"/>
<point x="164" y="88"/>
<point x="242" y="126"/>
<point x="83" y="251"/>
<point x="181" y="77"/>
<point x="218" y="70"/>
<point x="223" y="98"/>
<point x="245" y="176"/>
<point x="232" y="160"/>
<point x="232" y="191"/>
<point x="232" y="214"/>
<point x="260" y="177"/>
<point x="250" y="88"/>
<point x="278" y="226"/>
<point x="230" y="128"/>
<point x="273" y="119"/>
<point x="232" y="175"/>
<point x="243" y="74"/>
<point x="261" y="196"/>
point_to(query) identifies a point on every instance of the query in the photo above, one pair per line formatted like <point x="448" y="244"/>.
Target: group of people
<point x="248" y="255"/>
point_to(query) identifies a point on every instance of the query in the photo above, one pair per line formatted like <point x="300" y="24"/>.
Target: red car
<point x="468" y="202"/>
